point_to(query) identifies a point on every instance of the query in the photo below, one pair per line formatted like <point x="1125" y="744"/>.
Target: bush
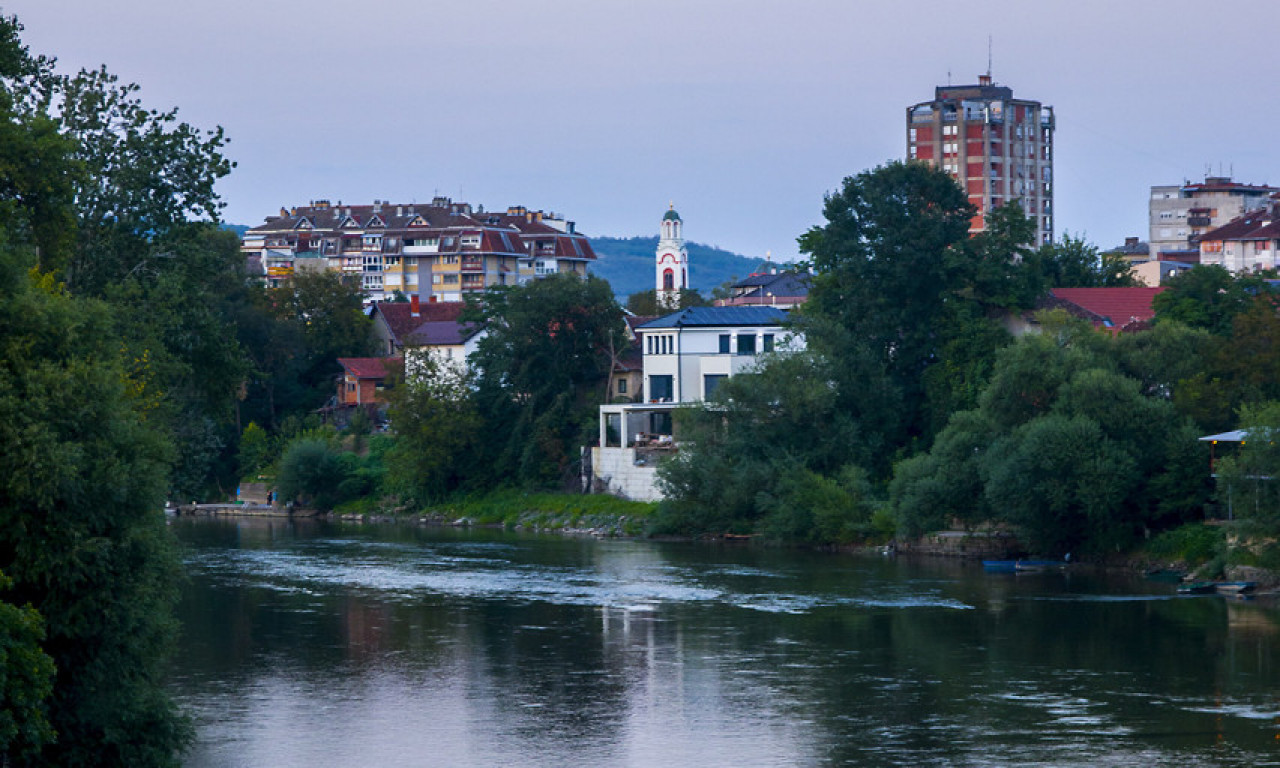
<point x="313" y="473"/>
<point x="1193" y="544"/>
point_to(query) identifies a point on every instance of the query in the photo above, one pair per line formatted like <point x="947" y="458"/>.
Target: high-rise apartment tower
<point x="999" y="149"/>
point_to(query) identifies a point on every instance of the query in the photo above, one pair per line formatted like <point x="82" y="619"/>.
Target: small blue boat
<point x="1025" y="566"/>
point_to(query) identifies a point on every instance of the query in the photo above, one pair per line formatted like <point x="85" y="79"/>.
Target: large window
<point x="768" y="342"/>
<point x="746" y="343"/>
<point x="710" y="382"/>
<point x="724" y="344"/>
<point x="660" y="388"/>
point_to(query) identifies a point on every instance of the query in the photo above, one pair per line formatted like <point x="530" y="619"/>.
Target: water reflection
<point x="308" y="644"/>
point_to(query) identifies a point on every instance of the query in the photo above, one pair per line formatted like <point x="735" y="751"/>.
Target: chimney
<point x="283" y="212"/>
<point x="399" y="210"/>
<point x="415" y="309"/>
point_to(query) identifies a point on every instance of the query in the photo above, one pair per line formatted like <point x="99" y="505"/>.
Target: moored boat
<point x="1196" y="588"/>
<point x="1235" y="587"/>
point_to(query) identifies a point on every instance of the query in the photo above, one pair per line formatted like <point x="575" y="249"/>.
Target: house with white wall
<point x="687" y="355"/>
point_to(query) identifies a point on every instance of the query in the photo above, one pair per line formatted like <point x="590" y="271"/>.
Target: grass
<point x="550" y="511"/>
<point x="1193" y="544"/>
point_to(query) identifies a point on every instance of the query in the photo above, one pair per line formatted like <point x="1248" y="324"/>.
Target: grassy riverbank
<point x="595" y="513"/>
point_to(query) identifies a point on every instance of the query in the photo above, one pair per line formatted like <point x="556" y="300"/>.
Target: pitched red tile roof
<point x="1117" y="309"/>
<point x="370" y="367"/>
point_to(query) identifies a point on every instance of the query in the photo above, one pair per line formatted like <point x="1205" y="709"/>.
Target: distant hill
<point x="627" y="263"/>
<point x="239" y="229"/>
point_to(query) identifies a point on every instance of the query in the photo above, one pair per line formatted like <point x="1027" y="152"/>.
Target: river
<point x="316" y="644"/>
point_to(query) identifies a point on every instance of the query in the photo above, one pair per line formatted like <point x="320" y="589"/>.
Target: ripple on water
<point x="416" y="571"/>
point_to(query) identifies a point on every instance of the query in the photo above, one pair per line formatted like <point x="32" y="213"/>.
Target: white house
<point x="686" y="356"/>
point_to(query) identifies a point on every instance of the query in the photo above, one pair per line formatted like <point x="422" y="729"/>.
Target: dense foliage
<point x="540" y="373"/>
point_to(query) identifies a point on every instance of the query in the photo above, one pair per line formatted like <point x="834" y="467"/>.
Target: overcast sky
<point x="743" y="113"/>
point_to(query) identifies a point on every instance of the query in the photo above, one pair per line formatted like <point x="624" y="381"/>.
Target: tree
<point x="741" y="452"/>
<point x="1206" y="296"/>
<point x="82" y="535"/>
<point x="437" y="430"/>
<point x="645" y="303"/>
<point x="900" y="288"/>
<point x="312" y="473"/>
<point x="540" y="371"/>
<point x="26" y="682"/>
<point x="1063" y="446"/>
<point x="1074" y="263"/>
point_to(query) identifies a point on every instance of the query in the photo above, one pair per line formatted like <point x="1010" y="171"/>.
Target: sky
<point x="741" y="113"/>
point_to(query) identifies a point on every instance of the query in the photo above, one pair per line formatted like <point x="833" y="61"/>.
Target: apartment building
<point x="440" y="251"/>
<point x="998" y="148"/>
<point x="1180" y="213"/>
<point x="1248" y="243"/>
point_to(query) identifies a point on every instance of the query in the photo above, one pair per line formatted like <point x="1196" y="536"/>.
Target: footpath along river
<point x="321" y="644"/>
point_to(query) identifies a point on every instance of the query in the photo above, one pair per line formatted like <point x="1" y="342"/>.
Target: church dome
<point x="671" y="215"/>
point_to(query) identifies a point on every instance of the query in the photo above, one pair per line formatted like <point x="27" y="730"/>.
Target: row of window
<point x="746" y="343"/>
<point x="661" y="387"/>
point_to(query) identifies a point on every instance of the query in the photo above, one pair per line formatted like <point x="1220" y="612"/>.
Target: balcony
<point x="1199" y="221"/>
<point x="472" y="265"/>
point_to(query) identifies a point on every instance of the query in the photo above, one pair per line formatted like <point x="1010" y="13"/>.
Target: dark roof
<point x="671" y="215"/>
<point x="778" y="284"/>
<point x="630" y="360"/>
<point x="702" y="317"/>
<point x="1258" y="224"/>
<point x="440" y="333"/>
<point x="370" y="367"/>
<point x="400" y="321"/>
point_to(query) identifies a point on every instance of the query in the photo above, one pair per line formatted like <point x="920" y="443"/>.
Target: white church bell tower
<point x="672" y="261"/>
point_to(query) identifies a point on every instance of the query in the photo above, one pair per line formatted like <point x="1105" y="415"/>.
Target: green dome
<point x="671" y="215"/>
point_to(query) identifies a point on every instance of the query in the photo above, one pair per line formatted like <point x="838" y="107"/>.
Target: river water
<point x="315" y="644"/>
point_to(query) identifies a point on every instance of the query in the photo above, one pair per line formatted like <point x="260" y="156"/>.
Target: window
<point x="724" y="343"/>
<point x="470" y="241"/>
<point x="746" y="343"/>
<point x="768" y="342"/>
<point x="660" y="388"/>
<point x="451" y="279"/>
<point x="622" y="386"/>
<point x="710" y="382"/>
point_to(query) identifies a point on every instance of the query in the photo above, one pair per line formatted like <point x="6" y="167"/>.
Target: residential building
<point x="1180" y="213"/>
<point x="441" y="251"/>
<point x="784" y="290"/>
<point x="1247" y="243"/>
<point x="998" y="148"/>
<point x="686" y="355"/>
<point x="671" y="261"/>
<point x="363" y="379"/>
<point x="412" y="329"/>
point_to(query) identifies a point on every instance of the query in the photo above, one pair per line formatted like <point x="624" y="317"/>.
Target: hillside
<point x="627" y="263"/>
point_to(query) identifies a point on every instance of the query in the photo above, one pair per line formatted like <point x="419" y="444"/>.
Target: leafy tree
<point x="1206" y="296"/>
<point x="1063" y="446"/>
<point x="645" y="303"/>
<point x="739" y="450"/>
<point x="294" y="336"/>
<point x="312" y="473"/>
<point x="26" y="682"/>
<point x="257" y="450"/>
<point x="540" y="373"/>
<point x="81" y="530"/>
<point x="437" y="430"/>
<point x="1074" y="263"/>
<point x="900" y="288"/>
